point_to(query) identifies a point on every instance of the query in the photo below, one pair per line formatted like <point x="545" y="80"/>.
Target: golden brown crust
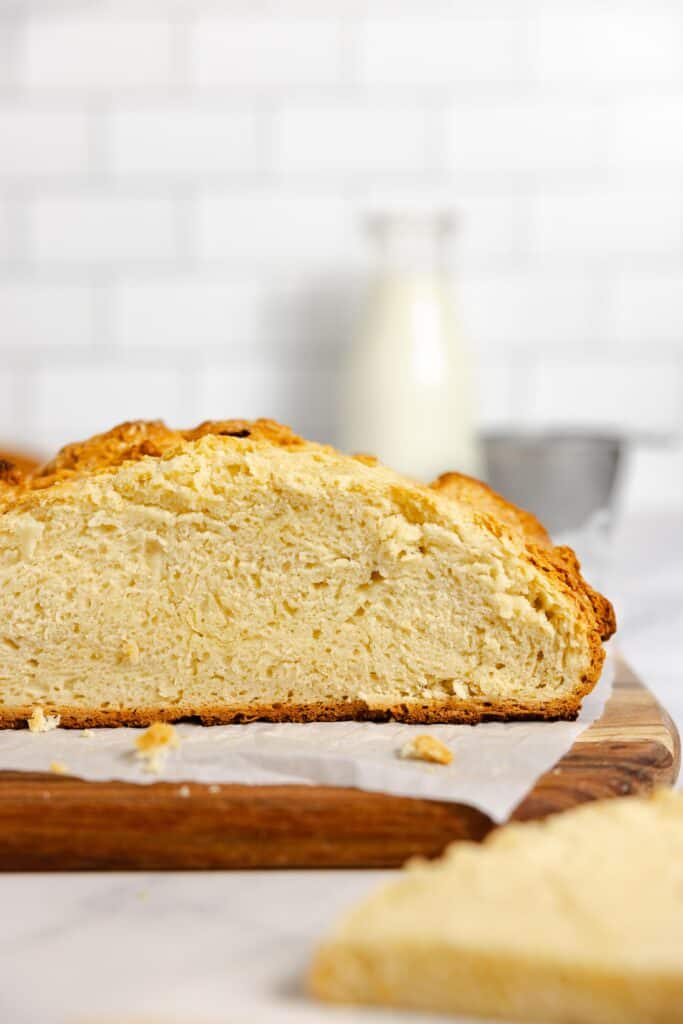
<point x="259" y="430"/>
<point x="127" y="442"/>
<point x="20" y="460"/>
<point x="455" y="712"/>
<point x="130" y="442"/>
<point x="480" y="496"/>
<point x="11" y="475"/>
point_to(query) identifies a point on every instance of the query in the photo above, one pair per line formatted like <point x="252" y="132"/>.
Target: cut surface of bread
<point x="575" y="920"/>
<point x="235" y="572"/>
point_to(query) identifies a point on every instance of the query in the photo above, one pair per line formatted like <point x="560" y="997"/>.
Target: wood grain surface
<point x="56" y="823"/>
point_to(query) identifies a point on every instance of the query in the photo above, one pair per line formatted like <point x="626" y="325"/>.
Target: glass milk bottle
<point x="407" y="387"/>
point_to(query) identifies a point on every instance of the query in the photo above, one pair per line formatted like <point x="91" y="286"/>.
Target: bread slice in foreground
<point x="576" y="920"/>
<point x="235" y="572"/>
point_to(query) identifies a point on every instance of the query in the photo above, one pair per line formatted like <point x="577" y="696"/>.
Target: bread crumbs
<point x="40" y="722"/>
<point x="155" y="743"/>
<point x="59" y="768"/>
<point x="426" y="748"/>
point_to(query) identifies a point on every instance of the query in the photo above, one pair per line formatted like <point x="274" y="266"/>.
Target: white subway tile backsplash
<point x="36" y="315"/>
<point x="353" y="138"/>
<point x="72" y="48"/>
<point x="186" y="314"/>
<point x="183" y="184"/>
<point x="527" y="135"/>
<point x="494" y="405"/>
<point x="6" y="245"/>
<point x="532" y="311"/>
<point x="654" y="477"/>
<point x="245" y="390"/>
<point x="167" y="141"/>
<point x="591" y="223"/>
<point x="450" y="49"/>
<point x="609" y="44"/>
<point x="10" y="428"/>
<point x="39" y="143"/>
<point x="647" y="309"/>
<point x="273" y="233"/>
<point x="72" y="402"/>
<point x="94" y="229"/>
<point x="303" y="233"/>
<point x="102" y="229"/>
<point x="647" y="134"/>
<point x="638" y="398"/>
<point x="489" y="226"/>
<point x="10" y="28"/>
<point x="268" y="50"/>
<point x="303" y="399"/>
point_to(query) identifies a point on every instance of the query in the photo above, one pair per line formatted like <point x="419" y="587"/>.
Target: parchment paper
<point x="494" y="764"/>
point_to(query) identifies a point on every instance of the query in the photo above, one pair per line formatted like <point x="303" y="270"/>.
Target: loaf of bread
<point x="575" y="920"/>
<point x="236" y="572"/>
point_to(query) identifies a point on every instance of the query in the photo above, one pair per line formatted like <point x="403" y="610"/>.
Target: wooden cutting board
<point x="55" y="823"/>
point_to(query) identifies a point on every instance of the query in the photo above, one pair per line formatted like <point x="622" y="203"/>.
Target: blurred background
<point x="184" y="183"/>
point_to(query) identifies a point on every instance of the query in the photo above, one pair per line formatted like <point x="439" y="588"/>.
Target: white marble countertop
<point x="233" y="947"/>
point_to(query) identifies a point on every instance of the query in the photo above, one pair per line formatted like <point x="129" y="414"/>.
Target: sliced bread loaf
<point x="575" y="920"/>
<point x="236" y="571"/>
